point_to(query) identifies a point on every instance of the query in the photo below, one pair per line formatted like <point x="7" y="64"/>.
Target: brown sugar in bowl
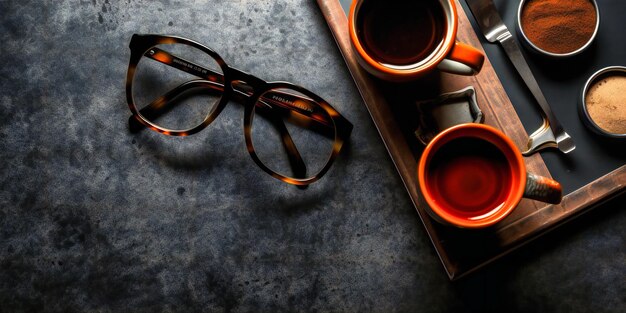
<point x="558" y="28"/>
<point x="603" y="102"/>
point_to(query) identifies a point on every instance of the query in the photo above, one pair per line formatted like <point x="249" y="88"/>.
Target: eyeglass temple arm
<point x="295" y="159"/>
<point x="161" y="104"/>
<point x="166" y="102"/>
<point x="284" y="100"/>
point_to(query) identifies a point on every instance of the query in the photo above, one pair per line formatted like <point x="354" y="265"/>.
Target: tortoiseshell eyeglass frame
<point x="306" y="108"/>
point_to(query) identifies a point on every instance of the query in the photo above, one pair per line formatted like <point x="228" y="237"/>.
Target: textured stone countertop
<point x="95" y="218"/>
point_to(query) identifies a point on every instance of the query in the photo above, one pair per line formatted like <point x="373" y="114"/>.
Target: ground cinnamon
<point x="559" y="26"/>
<point x="606" y="103"/>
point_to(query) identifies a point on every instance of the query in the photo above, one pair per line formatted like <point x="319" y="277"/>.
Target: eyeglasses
<point x="176" y="86"/>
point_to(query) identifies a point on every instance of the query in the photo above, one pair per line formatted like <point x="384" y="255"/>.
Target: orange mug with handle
<point x="473" y="176"/>
<point x="403" y="40"/>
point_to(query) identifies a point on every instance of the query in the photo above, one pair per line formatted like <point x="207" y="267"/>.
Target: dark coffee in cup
<point x="470" y="177"/>
<point x="401" y="32"/>
<point x="401" y="40"/>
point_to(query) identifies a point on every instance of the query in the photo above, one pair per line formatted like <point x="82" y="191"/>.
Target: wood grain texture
<point x="392" y="108"/>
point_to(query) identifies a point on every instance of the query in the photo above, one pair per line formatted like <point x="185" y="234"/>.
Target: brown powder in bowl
<point x="606" y="103"/>
<point x="558" y="26"/>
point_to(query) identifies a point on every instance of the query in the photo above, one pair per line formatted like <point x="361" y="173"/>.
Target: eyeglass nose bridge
<point x="244" y="82"/>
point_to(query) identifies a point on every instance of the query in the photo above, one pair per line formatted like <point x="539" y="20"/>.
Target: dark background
<point x="95" y="218"/>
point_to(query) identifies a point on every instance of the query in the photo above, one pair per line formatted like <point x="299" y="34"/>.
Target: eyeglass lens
<point x="172" y="98"/>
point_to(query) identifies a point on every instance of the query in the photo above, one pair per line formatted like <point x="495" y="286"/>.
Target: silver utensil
<point x="551" y="134"/>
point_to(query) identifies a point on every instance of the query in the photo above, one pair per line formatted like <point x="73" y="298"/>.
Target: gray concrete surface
<point x="94" y="218"/>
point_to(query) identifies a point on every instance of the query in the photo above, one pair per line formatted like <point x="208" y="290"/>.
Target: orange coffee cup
<point x="473" y="176"/>
<point x="403" y="40"/>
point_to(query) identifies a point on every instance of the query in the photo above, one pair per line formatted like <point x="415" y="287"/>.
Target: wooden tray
<point x="392" y="108"/>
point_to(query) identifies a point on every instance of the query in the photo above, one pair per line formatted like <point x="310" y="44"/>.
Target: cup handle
<point x="463" y="59"/>
<point x="543" y="189"/>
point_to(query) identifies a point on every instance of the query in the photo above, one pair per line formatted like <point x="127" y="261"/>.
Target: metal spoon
<point x="551" y="134"/>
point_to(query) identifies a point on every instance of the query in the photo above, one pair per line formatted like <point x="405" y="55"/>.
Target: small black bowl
<point x="582" y="107"/>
